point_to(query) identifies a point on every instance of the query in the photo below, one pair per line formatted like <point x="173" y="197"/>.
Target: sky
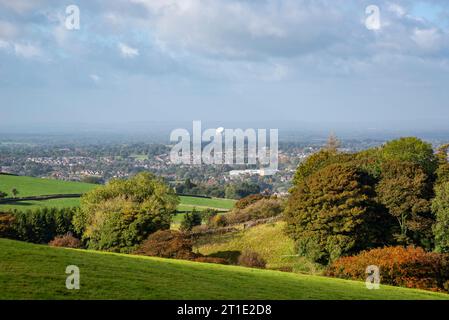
<point x="224" y="60"/>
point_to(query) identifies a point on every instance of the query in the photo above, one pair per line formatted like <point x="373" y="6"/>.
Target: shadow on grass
<point x="18" y="203"/>
<point x="231" y="256"/>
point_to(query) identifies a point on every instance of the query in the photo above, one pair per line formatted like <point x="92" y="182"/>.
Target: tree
<point x="333" y="143"/>
<point x="440" y="207"/>
<point x="191" y="220"/>
<point x="242" y="190"/>
<point x="332" y="213"/>
<point x="3" y="195"/>
<point x="317" y="161"/>
<point x="443" y="164"/>
<point x="14" y="192"/>
<point x="405" y="191"/>
<point x="121" y="214"/>
<point x="412" y="150"/>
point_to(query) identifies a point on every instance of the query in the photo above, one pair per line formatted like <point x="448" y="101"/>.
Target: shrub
<point x="244" y="202"/>
<point x="210" y="260"/>
<point x="120" y="215"/>
<point x="410" y="267"/>
<point x="66" y="241"/>
<point x="217" y="222"/>
<point x="167" y="244"/>
<point x="251" y="259"/>
<point x="7" y="225"/>
<point x="263" y="208"/>
<point x="191" y="220"/>
<point x="208" y="214"/>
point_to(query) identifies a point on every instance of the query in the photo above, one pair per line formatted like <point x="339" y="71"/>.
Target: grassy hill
<point x="29" y="271"/>
<point x="29" y="186"/>
<point x="269" y="240"/>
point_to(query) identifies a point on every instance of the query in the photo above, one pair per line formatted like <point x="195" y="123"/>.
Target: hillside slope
<point x="30" y="271"/>
<point x="269" y="240"/>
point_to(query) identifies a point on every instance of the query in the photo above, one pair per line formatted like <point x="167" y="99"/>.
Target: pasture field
<point x="199" y="203"/>
<point x="29" y="271"/>
<point x="29" y="186"/>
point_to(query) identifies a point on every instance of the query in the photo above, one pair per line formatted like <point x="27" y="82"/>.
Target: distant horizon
<point x="288" y="129"/>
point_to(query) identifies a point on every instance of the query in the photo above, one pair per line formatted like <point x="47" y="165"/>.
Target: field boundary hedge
<point x="41" y="198"/>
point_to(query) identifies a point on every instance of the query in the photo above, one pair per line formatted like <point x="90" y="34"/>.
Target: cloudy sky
<point x="153" y="60"/>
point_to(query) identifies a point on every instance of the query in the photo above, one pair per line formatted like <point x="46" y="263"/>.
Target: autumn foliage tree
<point x="331" y="213"/>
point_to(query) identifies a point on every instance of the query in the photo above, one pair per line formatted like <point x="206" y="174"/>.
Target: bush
<point x="167" y="244"/>
<point x="410" y="267"/>
<point x="66" y="241"/>
<point x="218" y="221"/>
<point x="7" y="221"/>
<point x="42" y="225"/>
<point x="251" y="259"/>
<point x="208" y="214"/>
<point x="263" y="208"/>
<point x="244" y="202"/>
<point x="120" y="215"/>
<point x="191" y="220"/>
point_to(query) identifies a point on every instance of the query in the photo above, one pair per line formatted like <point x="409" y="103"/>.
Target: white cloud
<point x="396" y="9"/>
<point x="27" y="50"/>
<point x="427" y="39"/>
<point x="21" y="6"/>
<point x="4" y="44"/>
<point x="94" y="77"/>
<point x="127" y="51"/>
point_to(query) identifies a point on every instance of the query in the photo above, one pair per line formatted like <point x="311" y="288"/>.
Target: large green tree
<point x="121" y="214"/>
<point x="440" y="207"/>
<point x="414" y="150"/>
<point x="404" y="189"/>
<point x="442" y="172"/>
<point x="331" y="213"/>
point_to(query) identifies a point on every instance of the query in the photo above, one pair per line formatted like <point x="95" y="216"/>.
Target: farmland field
<point x="29" y="186"/>
<point x="216" y="203"/>
<point x="29" y="271"/>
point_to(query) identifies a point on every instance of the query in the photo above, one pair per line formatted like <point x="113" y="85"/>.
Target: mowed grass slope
<point x="29" y="271"/>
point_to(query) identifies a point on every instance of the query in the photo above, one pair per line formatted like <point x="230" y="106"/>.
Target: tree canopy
<point x="121" y="214"/>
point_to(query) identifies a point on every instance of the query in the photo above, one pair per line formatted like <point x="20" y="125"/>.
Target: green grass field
<point x="269" y="240"/>
<point x="29" y="271"/>
<point x="29" y="186"/>
<point x="203" y="203"/>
